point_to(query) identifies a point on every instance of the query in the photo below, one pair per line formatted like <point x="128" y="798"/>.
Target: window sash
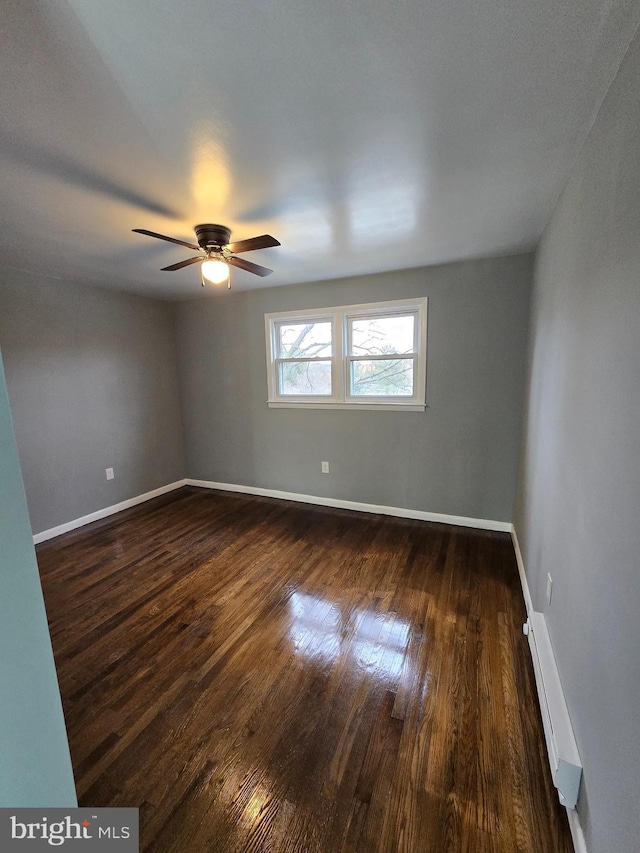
<point x="299" y="322"/>
<point x="310" y="360"/>
<point x="387" y="315"/>
<point x="412" y="357"/>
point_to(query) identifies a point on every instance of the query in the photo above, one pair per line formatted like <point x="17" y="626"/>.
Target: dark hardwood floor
<point x="257" y="675"/>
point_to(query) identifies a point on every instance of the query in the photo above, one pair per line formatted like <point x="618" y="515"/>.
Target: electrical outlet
<point x="549" y="588"/>
<point x="325" y="467"/>
<point x="109" y="473"/>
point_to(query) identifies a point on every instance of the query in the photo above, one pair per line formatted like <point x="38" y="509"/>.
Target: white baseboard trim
<point x="458" y="520"/>
<point x="103" y="513"/>
<point x="577" y="834"/>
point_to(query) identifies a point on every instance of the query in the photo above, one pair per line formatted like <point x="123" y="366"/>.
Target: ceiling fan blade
<point x="249" y="267"/>
<point x="263" y="242"/>
<point x="168" y="239"/>
<point x="181" y="264"/>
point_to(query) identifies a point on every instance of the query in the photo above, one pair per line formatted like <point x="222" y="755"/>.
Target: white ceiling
<point x="363" y="135"/>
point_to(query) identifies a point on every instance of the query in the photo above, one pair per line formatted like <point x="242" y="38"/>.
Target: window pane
<point x="382" y="335"/>
<point x="304" y="340"/>
<point x="382" y="377"/>
<point x="305" y="377"/>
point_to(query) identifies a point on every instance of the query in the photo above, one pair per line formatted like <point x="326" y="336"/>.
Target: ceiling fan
<point x="217" y="253"/>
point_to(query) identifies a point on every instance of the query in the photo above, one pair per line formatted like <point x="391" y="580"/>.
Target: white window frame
<point x="341" y="360"/>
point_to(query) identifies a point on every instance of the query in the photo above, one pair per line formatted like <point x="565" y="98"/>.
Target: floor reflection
<point x="376" y="642"/>
<point x="257" y="802"/>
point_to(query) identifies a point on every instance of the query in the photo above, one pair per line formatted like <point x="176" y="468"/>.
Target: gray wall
<point x="578" y="510"/>
<point x="92" y="381"/>
<point x="459" y="457"/>
<point x="35" y="769"/>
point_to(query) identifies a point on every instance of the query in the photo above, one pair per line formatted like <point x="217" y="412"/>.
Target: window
<point x="357" y="356"/>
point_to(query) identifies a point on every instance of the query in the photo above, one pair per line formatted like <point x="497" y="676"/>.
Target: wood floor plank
<point x="259" y="676"/>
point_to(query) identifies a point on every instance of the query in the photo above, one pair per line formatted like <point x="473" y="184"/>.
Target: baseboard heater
<point x="564" y="759"/>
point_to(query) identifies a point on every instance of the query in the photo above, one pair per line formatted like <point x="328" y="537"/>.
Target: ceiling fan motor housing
<point x="212" y="236"/>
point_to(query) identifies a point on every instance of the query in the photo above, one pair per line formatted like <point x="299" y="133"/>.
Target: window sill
<point x="367" y="407"/>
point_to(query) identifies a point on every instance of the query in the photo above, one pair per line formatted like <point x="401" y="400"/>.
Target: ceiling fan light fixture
<point x="215" y="271"/>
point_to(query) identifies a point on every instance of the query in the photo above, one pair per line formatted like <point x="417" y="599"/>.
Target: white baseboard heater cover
<point x="564" y="759"/>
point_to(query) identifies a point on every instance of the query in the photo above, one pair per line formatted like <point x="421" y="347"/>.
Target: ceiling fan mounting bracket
<point x="212" y="236"/>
